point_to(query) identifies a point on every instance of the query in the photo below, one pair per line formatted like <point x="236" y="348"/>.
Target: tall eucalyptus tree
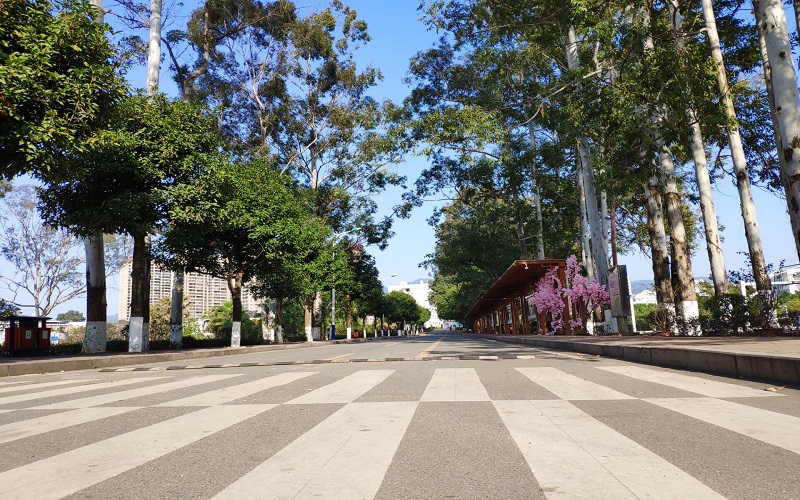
<point x="771" y="19"/>
<point x="752" y="232"/>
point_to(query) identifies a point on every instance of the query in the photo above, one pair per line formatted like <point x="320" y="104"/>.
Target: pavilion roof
<point x="516" y="278"/>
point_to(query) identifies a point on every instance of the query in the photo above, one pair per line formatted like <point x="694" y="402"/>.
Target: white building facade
<point x="204" y="292"/>
<point x="419" y="289"/>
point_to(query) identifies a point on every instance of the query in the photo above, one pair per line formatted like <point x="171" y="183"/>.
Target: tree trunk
<point x="586" y="244"/>
<point x="519" y="227"/>
<point x="710" y="223"/>
<point x="154" y="48"/>
<point x="713" y="242"/>
<point x="751" y="230"/>
<point x="772" y="25"/>
<point x="95" y="338"/>
<point x="689" y="309"/>
<point x="138" y="296"/>
<point x="148" y="272"/>
<point x="235" y="287"/>
<point x="307" y="309"/>
<point x="268" y="325"/>
<point x="683" y="287"/>
<point x="537" y="199"/>
<point x="316" y="316"/>
<point x="176" y="311"/>
<point x="348" y="316"/>
<point x="658" y="245"/>
<point x="279" y="320"/>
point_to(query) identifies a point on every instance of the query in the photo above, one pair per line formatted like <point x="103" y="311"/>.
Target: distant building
<point x="420" y="290"/>
<point x="204" y="292"/>
<point x="786" y="279"/>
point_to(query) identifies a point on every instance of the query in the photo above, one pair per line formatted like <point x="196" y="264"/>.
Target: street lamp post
<point x="335" y="238"/>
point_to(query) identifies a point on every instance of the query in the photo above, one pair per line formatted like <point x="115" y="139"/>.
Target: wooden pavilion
<point x="507" y="307"/>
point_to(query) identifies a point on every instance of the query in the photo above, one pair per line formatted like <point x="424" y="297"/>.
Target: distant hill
<point x="641" y="285"/>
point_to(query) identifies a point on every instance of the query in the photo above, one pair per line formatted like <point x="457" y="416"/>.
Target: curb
<point x="9" y="367"/>
<point x="771" y="367"/>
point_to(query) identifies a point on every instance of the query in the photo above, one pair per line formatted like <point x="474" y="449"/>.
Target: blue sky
<point x="397" y="34"/>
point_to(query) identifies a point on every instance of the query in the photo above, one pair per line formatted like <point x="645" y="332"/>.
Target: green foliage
<point x="728" y="314"/>
<point x="56" y="83"/>
<point x="71" y="315"/>
<point x="8" y="309"/>
<point x="399" y="306"/>
<point x="220" y="324"/>
<point x="644" y="314"/>
<point x="160" y="319"/>
<point x="120" y="183"/>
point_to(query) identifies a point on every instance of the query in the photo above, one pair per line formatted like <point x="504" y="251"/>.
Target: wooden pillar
<point x="514" y="316"/>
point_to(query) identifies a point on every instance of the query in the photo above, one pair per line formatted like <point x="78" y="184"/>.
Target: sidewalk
<point x="776" y="359"/>
<point x="52" y="364"/>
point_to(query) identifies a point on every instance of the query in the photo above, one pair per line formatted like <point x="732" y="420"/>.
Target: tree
<point x="399" y="306"/>
<point x="120" y="182"/>
<point x="44" y="257"/>
<point x="237" y="219"/>
<point x="294" y="92"/>
<point x="71" y="315"/>
<point x="57" y="83"/>
<point x="8" y="309"/>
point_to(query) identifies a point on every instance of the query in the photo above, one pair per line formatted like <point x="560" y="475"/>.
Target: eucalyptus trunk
<point x="96" y="316"/>
<point x="772" y="25"/>
<point x="748" y="209"/>
<point x="586" y="244"/>
<point x="586" y="173"/>
<point x="767" y="72"/>
<point x="698" y="148"/>
<point x="689" y="309"/>
<point x="537" y="198"/>
<point x="519" y="227"/>
<point x="95" y="338"/>
<point x="659" y="251"/>
<point x="316" y="316"/>
<point x="685" y="295"/>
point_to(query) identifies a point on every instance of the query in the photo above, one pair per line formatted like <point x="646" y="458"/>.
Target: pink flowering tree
<point x="584" y="293"/>
<point x="549" y="298"/>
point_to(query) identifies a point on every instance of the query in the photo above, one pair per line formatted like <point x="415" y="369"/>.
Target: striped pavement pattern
<point x="357" y="429"/>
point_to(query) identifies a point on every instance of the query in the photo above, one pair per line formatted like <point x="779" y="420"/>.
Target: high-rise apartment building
<point x="204" y="292"/>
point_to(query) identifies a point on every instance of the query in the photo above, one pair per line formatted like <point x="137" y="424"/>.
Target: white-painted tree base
<point x="315" y="332"/>
<point x="691" y="317"/>
<point x="135" y="332"/>
<point x="236" y="334"/>
<point x="95" y="338"/>
<point x="349" y="333"/>
<point x="309" y="336"/>
<point x="176" y="336"/>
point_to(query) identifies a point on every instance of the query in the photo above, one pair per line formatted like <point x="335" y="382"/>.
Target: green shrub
<point x="643" y="314"/>
<point x="728" y="314"/>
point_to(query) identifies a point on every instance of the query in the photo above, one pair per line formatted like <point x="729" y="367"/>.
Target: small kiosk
<point x="27" y="333"/>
